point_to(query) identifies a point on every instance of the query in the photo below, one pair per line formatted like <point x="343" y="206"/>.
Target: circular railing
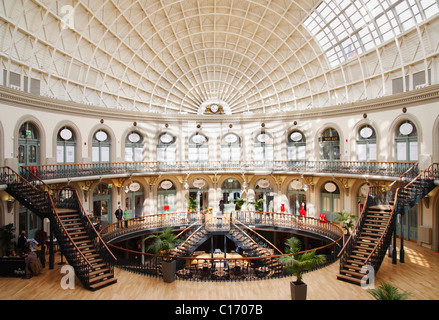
<point x="219" y="266"/>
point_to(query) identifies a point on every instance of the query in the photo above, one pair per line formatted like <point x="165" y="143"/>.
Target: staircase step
<point x="102" y="284"/>
<point x="349" y="279"/>
<point x="351" y="273"/>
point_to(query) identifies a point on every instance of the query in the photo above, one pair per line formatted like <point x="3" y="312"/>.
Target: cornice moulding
<point x="31" y="101"/>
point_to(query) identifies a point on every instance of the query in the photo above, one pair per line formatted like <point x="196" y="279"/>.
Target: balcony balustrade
<point x="59" y="171"/>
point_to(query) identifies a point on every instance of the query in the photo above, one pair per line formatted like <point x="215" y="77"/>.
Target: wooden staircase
<point x="100" y="274"/>
<point x="369" y="241"/>
<point x="78" y="241"/>
<point x="375" y="224"/>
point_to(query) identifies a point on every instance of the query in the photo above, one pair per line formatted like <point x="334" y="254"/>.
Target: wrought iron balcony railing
<point x="57" y="171"/>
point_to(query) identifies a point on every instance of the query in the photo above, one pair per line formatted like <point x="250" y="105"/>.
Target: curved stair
<point x="369" y="241"/>
<point x="76" y="236"/>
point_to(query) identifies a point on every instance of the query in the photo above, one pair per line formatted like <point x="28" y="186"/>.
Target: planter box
<point x="168" y="270"/>
<point x="298" y="291"/>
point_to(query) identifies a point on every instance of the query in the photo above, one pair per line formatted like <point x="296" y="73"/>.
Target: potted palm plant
<point x="346" y="220"/>
<point x="297" y="263"/>
<point x="258" y="204"/>
<point x="192" y="204"/>
<point x="388" y="292"/>
<point x="239" y="202"/>
<point x="6" y="238"/>
<point x="164" y="243"/>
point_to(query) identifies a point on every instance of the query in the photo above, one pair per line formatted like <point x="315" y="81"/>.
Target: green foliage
<point x="192" y="204"/>
<point x="297" y="263"/>
<point x="7" y="235"/>
<point x="347" y="220"/>
<point x="388" y="292"/>
<point x="239" y="202"/>
<point x="259" y="204"/>
<point x="165" y="242"/>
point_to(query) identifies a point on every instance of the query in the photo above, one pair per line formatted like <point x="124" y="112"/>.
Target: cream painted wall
<point x="385" y="121"/>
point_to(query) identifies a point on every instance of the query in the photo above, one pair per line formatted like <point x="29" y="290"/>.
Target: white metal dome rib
<point x="254" y="56"/>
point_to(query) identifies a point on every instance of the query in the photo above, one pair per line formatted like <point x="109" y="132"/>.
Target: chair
<point x="205" y="272"/>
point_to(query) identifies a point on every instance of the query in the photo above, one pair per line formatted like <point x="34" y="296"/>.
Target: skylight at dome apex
<point x="177" y="57"/>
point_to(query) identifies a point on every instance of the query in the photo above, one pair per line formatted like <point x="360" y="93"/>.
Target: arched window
<point x="263" y="147"/>
<point x="230" y="190"/>
<point x="366" y="144"/>
<point x="198" y="148"/>
<point x="296" y="196"/>
<point x="134" y="198"/>
<point x="296" y="146"/>
<point x="406" y="142"/>
<point x="166" y="197"/>
<point x="166" y="147"/>
<point x="330" y="200"/>
<point x="28" y="145"/>
<point x="102" y="203"/>
<point x="264" y="190"/>
<point x="230" y="148"/>
<point x="65" y="146"/>
<point x="361" y="197"/>
<point x="199" y="191"/>
<point x="101" y="147"/>
<point x="134" y="147"/>
<point x="330" y="145"/>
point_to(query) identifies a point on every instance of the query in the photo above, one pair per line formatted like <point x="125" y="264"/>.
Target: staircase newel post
<point x="43" y="246"/>
<point x="394" y="252"/>
<point x="51" y="251"/>
<point x="401" y="251"/>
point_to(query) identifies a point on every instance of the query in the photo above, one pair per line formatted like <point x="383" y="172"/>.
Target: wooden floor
<point x="418" y="275"/>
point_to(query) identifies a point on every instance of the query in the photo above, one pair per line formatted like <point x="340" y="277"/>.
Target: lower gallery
<point x="236" y="142"/>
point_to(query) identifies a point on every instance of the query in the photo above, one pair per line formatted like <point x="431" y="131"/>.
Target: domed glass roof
<point x="179" y="57"/>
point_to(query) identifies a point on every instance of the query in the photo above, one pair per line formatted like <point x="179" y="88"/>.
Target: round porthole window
<point x="330" y="187"/>
<point x="134" y="137"/>
<point x="101" y="136"/>
<point x="66" y="134"/>
<point x="406" y="128"/>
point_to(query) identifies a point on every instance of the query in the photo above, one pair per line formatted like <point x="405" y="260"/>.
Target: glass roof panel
<point x="373" y="21"/>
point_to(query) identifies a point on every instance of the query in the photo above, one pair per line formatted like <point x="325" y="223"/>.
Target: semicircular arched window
<point x="101" y="146"/>
<point x="230" y="148"/>
<point x="296" y="146"/>
<point x="330" y="145"/>
<point x="134" y="147"/>
<point x="406" y="142"/>
<point x="366" y="144"/>
<point x="198" y="148"/>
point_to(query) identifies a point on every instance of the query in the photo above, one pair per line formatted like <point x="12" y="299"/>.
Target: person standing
<point x="22" y="243"/>
<point x="126" y="216"/>
<point x="119" y="215"/>
<point x="221" y="205"/>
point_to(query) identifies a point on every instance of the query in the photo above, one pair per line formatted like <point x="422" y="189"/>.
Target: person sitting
<point x="31" y="256"/>
<point x="33" y="264"/>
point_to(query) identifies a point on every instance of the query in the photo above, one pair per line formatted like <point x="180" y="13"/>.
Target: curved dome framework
<point x="253" y="56"/>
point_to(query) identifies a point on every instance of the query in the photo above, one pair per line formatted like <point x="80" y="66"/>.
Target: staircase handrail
<point x="80" y="207"/>
<point x="188" y="227"/>
<point x="46" y="195"/>
<point x="387" y="231"/>
<point x="251" y="239"/>
<point x="361" y="218"/>
<point x="65" y="231"/>
<point x="259" y="235"/>
<point x="357" y="224"/>
<point x="92" y="226"/>
<point x="199" y="228"/>
<point x="395" y="210"/>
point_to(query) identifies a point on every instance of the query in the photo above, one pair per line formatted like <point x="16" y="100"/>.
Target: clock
<point x="214" y="108"/>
